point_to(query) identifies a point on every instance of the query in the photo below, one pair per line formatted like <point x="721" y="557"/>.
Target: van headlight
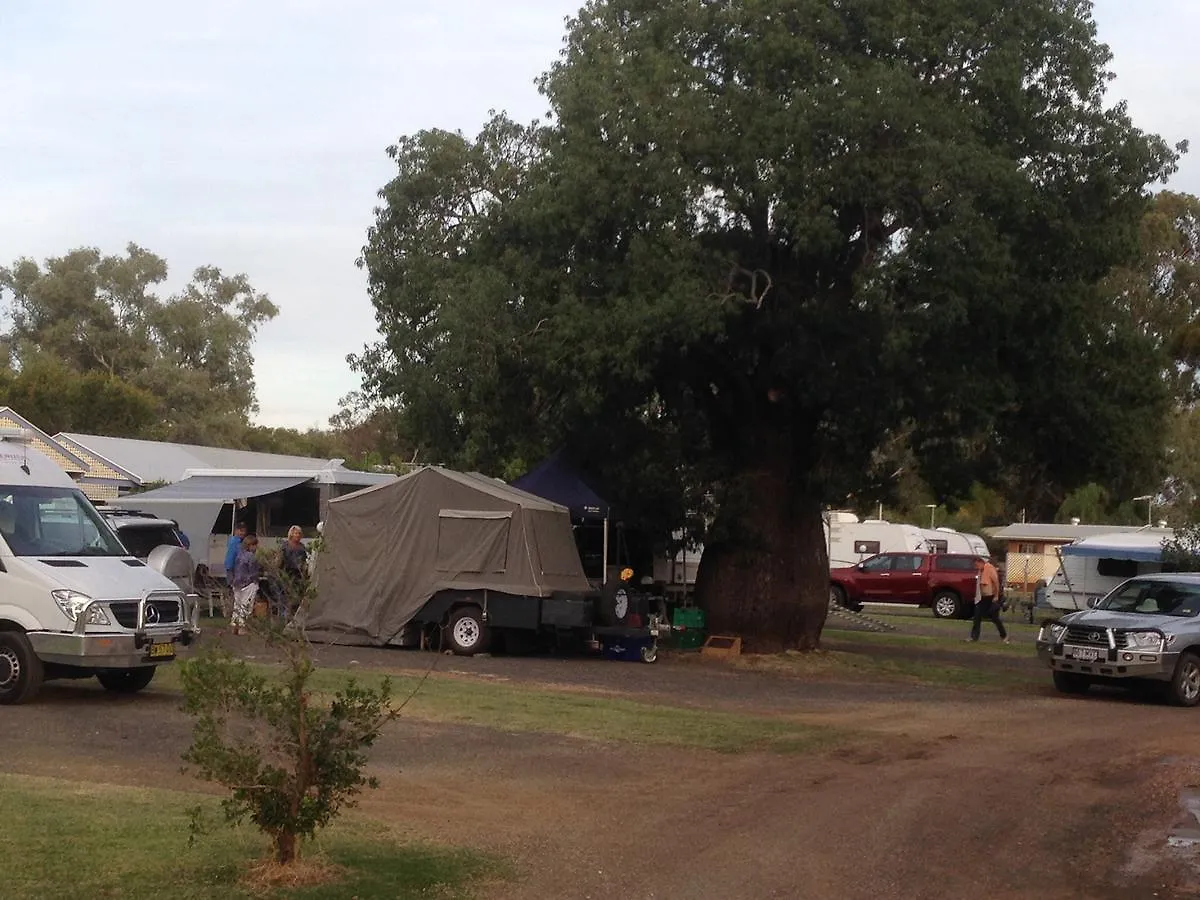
<point x="1143" y="640"/>
<point x="72" y="603"/>
<point x="1051" y="633"/>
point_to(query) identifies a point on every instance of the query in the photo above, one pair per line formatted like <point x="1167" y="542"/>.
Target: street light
<point x="932" y="507"/>
<point x="1149" y="498"/>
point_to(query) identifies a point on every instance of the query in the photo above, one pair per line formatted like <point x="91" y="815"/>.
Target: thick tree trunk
<point x="285" y="847"/>
<point x="766" y="579"/>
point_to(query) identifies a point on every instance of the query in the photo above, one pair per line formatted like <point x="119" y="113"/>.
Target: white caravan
<point x="850" y="541"/>
<point x="1093" y="566"/>
<point x="75" y="603"/>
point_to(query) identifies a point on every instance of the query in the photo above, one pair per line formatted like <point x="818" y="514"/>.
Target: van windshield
<point x="54" y="521"/>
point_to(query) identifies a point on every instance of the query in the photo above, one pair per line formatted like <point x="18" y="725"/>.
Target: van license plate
<point x="162" y="651"/>
<point x="1083" y="654"/>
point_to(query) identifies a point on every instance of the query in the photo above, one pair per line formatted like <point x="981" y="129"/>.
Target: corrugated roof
<point x="1049" y="531"/>
<point x="166" y="461"/>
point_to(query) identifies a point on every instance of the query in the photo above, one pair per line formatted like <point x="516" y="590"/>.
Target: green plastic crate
<point x="688" y="627"/>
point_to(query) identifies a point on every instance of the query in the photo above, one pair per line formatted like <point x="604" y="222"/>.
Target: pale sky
<point x="250" y="135"/>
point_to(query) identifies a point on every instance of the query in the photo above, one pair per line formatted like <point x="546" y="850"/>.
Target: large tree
<point x="103" y="316"/>
<point x="762" y="237"/>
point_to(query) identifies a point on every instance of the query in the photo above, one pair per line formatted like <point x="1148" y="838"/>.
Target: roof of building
<point x="65" y="456"/>
<point x="151" y="461"/>
<point x="1050" y="532"/>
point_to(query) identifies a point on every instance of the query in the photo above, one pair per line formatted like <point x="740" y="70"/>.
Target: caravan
<point x="1093" y="566"/>
<point x="850" y="541"/>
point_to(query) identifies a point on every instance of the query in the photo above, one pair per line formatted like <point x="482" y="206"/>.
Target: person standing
<point x="987" y="599"/>
<point x="295" y="568"/>
<point x="232" y="547"/>
<point x="246" y="572"/>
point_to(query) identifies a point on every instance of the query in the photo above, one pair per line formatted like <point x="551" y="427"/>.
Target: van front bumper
<point x="109" y="651"/>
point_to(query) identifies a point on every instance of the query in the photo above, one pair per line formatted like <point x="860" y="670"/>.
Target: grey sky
<point x="250" y="135"/>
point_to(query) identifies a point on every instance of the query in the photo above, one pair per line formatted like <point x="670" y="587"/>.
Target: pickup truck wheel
<point x="466" y="634"/>
<point x="21" y="672"/>
<point x="837" y="594"/>
<point x="1185" y="684"/>
<point x="947" y="605"/>
<point x="126" y="681"/>
<point x="1070" y="683"/>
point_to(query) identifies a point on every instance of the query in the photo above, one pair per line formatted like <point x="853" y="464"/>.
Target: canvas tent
<point x="389" y="549"/>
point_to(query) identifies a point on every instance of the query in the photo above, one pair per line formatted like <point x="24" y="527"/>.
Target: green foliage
<point x="55" y="398"/>
<point x="91" y="315"/>
<point x="756" y="241"/>
<point x="1181" y="553"/>
<point x="290" y="760"/>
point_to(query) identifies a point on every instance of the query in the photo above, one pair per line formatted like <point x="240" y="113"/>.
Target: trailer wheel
<point x="465" y="633"/>
<point x="650" y="653"/>
<point x="126" y="681"/>
<point x="947" y="605"/>
<point x="21" y="672"/>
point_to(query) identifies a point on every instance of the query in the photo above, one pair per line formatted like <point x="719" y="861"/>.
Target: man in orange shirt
<point x="987" y="599"/>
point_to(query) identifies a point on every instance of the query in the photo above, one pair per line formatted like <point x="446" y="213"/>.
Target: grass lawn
<point x="79" y="840"/>
<point x="989" y="644"/>
<point x="509" y="707"/>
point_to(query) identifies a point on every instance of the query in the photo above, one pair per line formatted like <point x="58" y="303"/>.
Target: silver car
<point x="1146" y="631"/>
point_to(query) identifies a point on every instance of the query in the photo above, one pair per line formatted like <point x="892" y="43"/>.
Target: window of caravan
<point x="866" y="547"/>
<point x="473" y="541"/>
<point x="1117" y="568"/>
<point x="938" y="546"/>
<point x="54" y="521"/>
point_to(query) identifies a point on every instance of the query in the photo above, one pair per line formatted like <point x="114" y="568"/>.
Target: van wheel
<point x="21" y="672"/>
<point x="466" y="634"/>
<point x="1185" y="684"/>
<point x="837" y="594"/>
<point x="947" y="605"/>
<point x="126" y="681"/>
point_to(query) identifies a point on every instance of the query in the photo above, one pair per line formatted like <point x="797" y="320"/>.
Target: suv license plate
<point x="1084" y="654"/>
<point x="162" y="651"/>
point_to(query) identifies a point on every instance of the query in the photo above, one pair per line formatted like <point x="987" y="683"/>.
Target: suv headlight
<point x="1052" y="633"/>
<point x="1143" y="640"/>
<point x="72" y="604"/>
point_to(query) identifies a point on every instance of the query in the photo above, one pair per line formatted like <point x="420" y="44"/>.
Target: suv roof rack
<point x="116" y="511"/>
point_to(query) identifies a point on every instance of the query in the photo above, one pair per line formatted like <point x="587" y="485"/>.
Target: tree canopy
<point x="760" y="238"/>
<point x="179" y="366"/>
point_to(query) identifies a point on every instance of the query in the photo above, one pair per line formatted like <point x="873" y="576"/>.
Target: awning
<point x="1133" y="554"/>
<point x="196" y="501"/>
<point x="214" y="488"/>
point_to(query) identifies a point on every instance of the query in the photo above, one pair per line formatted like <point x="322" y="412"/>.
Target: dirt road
<point x="944" y="794"/>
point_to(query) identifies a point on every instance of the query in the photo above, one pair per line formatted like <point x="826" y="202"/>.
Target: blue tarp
<point x="1136" y="554"/>
<point x="558" y="481"/>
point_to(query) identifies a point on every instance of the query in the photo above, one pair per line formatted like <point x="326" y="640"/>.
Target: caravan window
<point x="1117" y="568"/>
<point x="866" y="548"/>
<point x="472" y="541"/>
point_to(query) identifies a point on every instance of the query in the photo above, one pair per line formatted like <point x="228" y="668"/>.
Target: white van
<point x="73" y="602"/>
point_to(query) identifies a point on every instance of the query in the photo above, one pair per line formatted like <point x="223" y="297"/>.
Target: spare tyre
<point x="613" y="606"/>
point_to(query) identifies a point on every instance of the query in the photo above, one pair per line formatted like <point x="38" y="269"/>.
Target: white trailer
<point x="1091" y="567"/>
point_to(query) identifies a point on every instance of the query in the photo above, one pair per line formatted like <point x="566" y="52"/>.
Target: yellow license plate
<point x="162" y="651"/>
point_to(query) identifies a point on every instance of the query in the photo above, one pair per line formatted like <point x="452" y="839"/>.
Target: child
<point x="245" y="582"/>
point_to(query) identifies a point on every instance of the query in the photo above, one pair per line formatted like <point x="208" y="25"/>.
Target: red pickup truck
<point x="944" y="581"/>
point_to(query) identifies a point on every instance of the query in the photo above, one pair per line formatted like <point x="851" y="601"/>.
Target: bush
<point x="290" y="760"/>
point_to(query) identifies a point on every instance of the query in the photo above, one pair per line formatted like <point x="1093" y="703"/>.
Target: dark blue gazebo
<point x="558" y="481"/>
